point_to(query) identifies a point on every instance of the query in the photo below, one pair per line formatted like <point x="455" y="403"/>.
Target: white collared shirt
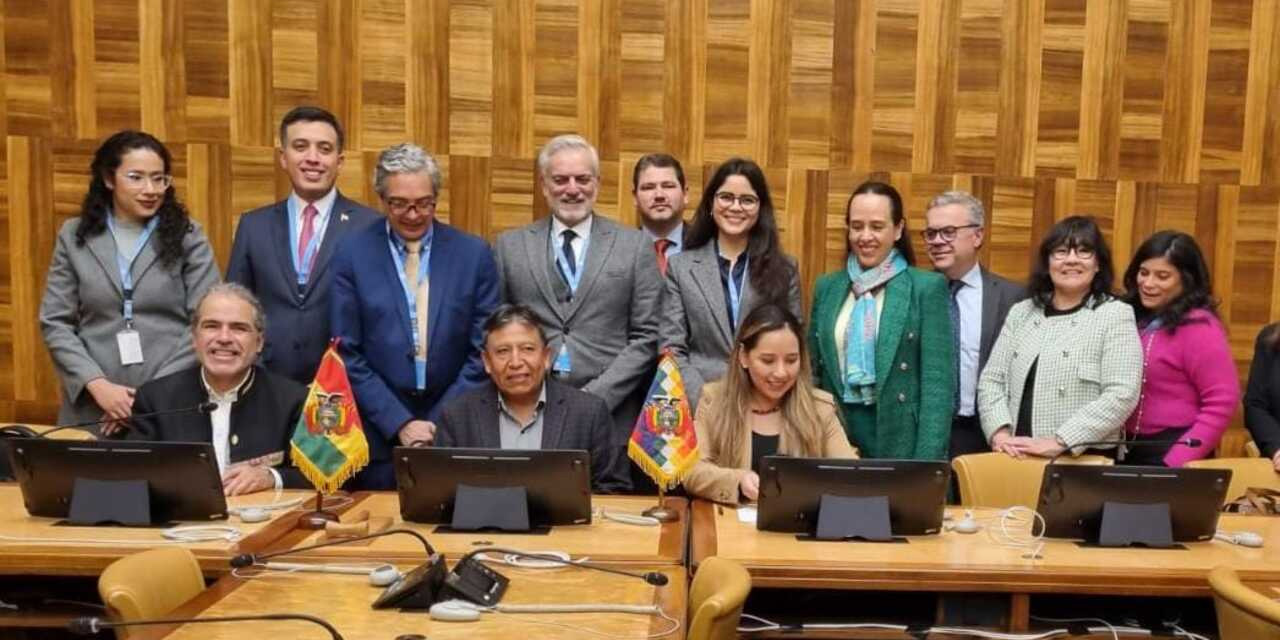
<point x="324" y="206"/>
<point x="582" y="229"/>
<point x="969" y="301"/>
<point x="220" y="421"/>
<point x="676" y="238"/>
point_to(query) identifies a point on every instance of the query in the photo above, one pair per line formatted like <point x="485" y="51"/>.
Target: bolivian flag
<point x="663" y="442"/>
<point x="329" y="444"/>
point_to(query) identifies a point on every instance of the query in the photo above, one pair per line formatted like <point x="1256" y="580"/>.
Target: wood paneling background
<point x="1146" y="113"/>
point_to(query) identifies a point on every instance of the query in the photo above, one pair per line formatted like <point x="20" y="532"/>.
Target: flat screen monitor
<point x="182" y="477"/>
<point x="1072" y="497"/>
<point x="557" y="483"/>
<point x="792" y="488"/>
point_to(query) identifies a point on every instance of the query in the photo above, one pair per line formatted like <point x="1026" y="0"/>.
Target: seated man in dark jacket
<point x="521" y="408"/>
<point x="254" y="411"/>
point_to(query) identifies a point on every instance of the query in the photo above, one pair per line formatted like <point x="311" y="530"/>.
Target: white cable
<point x="1007" y="534"/>
<point x="1183" y="633"/>
<point x="176" y="535"/>
<point x="629" y="518"/>
<point x="202" y="533"/>
<point x="1115" y="634"/>
<point x="524" y="562"/>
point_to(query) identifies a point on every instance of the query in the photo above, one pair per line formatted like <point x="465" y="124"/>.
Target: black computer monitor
<point x="182" y="479"/>
<point x="791" y="490"/>
<point x="1074" y="498"/>
<point x="556" y="483"/>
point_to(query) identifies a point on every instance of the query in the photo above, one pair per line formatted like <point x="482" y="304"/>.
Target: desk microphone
<point x="1190" y="442"/>
<point x="203" y="407"/>
<point x="91" y="626"/>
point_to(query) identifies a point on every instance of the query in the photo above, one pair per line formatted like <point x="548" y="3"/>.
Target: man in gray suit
<point x="658" y="186"/>
<point x="519" y="408"/>
<point x="980" y="300"/>
<point x="592" y="283"/>
<point x="282" y="251"/>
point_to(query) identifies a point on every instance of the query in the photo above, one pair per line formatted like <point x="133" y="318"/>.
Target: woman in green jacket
<point x="881" y="336"/>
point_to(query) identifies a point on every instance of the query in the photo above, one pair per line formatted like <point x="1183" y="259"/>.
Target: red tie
<point x="308" y="229"/>
<point x="660" y="245"/>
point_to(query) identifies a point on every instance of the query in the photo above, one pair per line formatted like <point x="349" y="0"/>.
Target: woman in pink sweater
<point x="1190" y="388"/>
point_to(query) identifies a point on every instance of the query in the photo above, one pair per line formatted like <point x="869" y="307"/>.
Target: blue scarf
<point x="860" y="336"/>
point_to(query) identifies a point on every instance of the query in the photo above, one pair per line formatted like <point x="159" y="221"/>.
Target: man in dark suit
<point x="658" y="187"/>
<point x="980" y="300"/>
<point x="592" y="283"/>
<point x="282" y="251"/>
<point x="255" y="410"/>
<point x="519" y="408"/>
<point x="410" y="297"/>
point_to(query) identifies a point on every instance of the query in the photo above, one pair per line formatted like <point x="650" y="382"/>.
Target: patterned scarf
<point x="860" y="336"/>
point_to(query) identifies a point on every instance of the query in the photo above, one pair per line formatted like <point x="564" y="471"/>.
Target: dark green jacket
<point x="915" y="375"/>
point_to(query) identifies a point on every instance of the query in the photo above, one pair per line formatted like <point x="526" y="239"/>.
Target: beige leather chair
<point x="719" y="590"/>
<point x="1251" y="449"/>
<point x="999" y="480"/>
<point x="1245" y="473"/>
<point x="149" y="584"/>
<point x="1243" y="614"/>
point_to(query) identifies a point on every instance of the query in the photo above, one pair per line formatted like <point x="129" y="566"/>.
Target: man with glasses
<point x="592" y="283"/>
<point x="980" y="300"/>
<point x="282" y="251"/>
<point x="410" y="298"/>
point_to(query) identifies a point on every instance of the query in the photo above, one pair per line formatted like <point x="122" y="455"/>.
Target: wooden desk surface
<point x="39" y="546"/>
<point x="344" y="601"/>
<point x="603" y="540"/>
<point x="976" y="562"/>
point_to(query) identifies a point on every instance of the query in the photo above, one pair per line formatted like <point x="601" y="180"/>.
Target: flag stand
<point x="660" y="512"/>
<point x="320" y="517"/>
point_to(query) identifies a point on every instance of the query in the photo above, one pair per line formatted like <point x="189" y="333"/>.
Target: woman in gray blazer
<point x="732" y="263"/>
<point x="125" y="277"/>
<point x="1067" y="366"/>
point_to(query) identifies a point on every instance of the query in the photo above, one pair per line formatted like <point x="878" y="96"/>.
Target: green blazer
<point x="915" y="368"/>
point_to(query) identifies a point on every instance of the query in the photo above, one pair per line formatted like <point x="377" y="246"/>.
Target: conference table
<point x="978" y="563"/>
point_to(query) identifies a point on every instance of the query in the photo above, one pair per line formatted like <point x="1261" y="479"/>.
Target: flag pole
<point x="320" y="517"/>
<point x="660" y="512"/>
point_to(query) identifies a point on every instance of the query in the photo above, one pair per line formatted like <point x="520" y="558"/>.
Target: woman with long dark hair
<point x="731" y="263"/>
<point x="1190" y="388"/>
<point x="881" y="336"/>
<point x="764" y="405"/>
<point x="124" y="280"/>
<point x="1067" y="365"/>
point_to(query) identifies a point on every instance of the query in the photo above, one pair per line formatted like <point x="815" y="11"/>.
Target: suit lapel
<point x="599" y="251"/>
<point x="489" y="408"/>
<point x="143" y="262"/>
<point x="103" y="248"/>
<point x="827" y="314"/>
<point x="706" y="273"/>
<point x="536" y="243"/>
<point x="990" y="303"/>
<point x="438" y="277"/>
<point x="281" y="238"/>
<point x="553" y="417"/>
<point x="339" y="223"/>
<point x="893" y="319"/>
<point x="392" y="277"/>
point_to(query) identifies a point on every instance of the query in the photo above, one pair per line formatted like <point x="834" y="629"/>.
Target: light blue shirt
<point x="676" y="238"/>
<point x="969" y="300"/>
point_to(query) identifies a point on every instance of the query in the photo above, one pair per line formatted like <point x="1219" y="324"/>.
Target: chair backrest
<point x="1243" y="614"/>
<point x="1245" y="473"/>
<point x="719" y="590"/>
<point x="149" y="584"/>
<point x="1251" y="449"/>
<point x="999" y="480"/>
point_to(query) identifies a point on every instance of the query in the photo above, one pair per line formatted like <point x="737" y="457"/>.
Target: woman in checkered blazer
<point x="1067" y="367"/>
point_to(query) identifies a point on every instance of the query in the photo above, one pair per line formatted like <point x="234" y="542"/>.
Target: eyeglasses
<point x="947" y="233"/>
<point x="1061" y="253"/>
<point x="746" y="200"/>
<point x="138" y="180"/>
<point x="400" y="206"/>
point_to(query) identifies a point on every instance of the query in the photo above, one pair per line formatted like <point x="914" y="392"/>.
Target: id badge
<point x="561" y="364"/>
<point x="130" y="347"/>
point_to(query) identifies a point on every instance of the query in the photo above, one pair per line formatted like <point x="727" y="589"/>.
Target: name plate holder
<point x="99" y="502"/>
<point x="1136" y="525"/>
<point x="842" y="518"/>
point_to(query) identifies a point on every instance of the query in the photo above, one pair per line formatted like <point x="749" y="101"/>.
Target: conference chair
<point x="1245" y="473"/>
<point x="1000" y="480"/>
<point x="1243" y="614"/>
<point x="1251" y="450"/>
<point x="149" y="584"/>
<point x="719" y="590"/>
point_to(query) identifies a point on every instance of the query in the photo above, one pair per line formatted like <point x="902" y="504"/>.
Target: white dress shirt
<point x="324" y="206"/>
<point x="969" y="300"/>
<point x="583" y="231"/>
<point x="220" y="420"/>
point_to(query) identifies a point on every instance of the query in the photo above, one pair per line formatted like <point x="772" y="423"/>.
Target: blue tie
<point x="566" y="248"/>
<point x="955" y="286"/>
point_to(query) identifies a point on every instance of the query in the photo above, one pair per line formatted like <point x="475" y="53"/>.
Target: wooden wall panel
<point x="1148" y="114"/>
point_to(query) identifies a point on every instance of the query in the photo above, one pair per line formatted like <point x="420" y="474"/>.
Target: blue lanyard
<point x="571" y="277"/>
<point x="125" y="264"/>
<point x="424" y="270"/>
<point x="302" y="263"/>
<point x="735" y="288"/>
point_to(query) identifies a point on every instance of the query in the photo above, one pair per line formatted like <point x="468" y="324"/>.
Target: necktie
<point x="412" y="260"/>
<point x="660" y="245"/>
<point x="309" y="214"/>
<point x="566" y="247"/>
<point x="954" y="308"/>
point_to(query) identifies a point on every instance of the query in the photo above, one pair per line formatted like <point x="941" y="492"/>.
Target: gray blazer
<point x="998" y="296"/>
<point x="82" y="311"/>
<point x="610" y="325"/>
<point x="695" y="322"/>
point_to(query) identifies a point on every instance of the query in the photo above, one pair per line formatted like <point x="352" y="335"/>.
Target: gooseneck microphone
<point x="203" y="407"/>
<point x="247" y="559"/>
<point x="91" y="626"/>
<point x="652" y="577"/>
<point x="1190" y="442"/>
